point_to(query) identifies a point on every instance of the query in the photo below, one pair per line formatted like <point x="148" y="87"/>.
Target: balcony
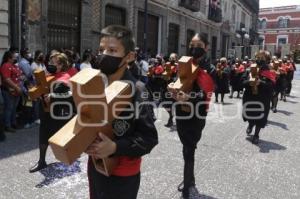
<point x="193" y="5"/>
<point x="252" y="4"/>
<point x="215" y="14"/>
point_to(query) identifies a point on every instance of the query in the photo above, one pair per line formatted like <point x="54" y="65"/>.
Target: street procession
<point x="149" y="99"/>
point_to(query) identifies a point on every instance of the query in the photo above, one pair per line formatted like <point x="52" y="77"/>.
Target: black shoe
<point x="249" y="130"/>
<point x="284" y="99"/>
<point x="185" y="194"/>
<point x="255" y="139"/>
<point x="216" y="101"/>
<point x="274" y="110"/>
<point x="10" y="130"/>
<point x="230" y="96"/>
<point x="39" y="166"/>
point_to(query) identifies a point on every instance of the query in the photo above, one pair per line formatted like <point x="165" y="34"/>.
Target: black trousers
<point x="189" y="134"/>
<point x="113" y="187"/>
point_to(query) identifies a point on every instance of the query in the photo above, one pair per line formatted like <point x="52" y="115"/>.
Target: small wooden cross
<point x="88" y="92"/>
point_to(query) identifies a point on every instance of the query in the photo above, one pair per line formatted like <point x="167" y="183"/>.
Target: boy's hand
<point x="102" y="148"/>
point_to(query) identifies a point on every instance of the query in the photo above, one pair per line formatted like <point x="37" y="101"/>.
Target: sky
<point x="278" y="3"/>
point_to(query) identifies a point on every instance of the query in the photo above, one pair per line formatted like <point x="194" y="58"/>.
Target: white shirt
<point x="143" y="67"/>
<point x="35" y="66"/>
<point x="84" y="65"/>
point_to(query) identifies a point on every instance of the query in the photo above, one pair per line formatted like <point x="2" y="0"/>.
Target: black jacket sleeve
<point x="144" y="136"/>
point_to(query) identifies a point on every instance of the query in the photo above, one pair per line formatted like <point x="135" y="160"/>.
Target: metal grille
<point x="64" y="24"/>
<point x="152" y="34"/>
<point x="173" y="38"/>
<point x="114" y="16"/>
<point x="96" y="13"/>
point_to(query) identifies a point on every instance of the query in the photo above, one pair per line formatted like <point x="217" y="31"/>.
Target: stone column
<point x="238" y="51"/>
<point x="285" y="50"/>
<point x="4" y="39"/>
<point x="271" y="48"/>
<point x="254" y="49"/>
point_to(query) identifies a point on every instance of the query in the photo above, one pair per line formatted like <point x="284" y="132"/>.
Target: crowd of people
<point x="117" y="52"/>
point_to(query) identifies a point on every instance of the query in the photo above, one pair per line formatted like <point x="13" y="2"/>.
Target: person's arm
<point x="144" y="137"/>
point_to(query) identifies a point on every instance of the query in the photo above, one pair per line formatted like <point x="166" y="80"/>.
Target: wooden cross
<point x="187" y="73"/>
<point x="254" y="70"/>
<point x="74" y="138"/>
<point x="43" y="84"/>
<point x="168" y="71"/>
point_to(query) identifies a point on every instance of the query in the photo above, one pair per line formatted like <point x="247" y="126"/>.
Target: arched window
<point x="264" y="24"/>
<point x="280" y="22"/>
<point x="258" y="24"/>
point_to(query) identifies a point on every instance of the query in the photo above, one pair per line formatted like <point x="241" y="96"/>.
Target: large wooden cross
<point x="187" y="73"/>
<point x="43" y="84"/>
<point x="95" y="105"/>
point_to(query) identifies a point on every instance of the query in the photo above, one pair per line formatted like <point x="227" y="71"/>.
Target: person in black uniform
<point x="237" y="71"/>
<point x="256" y="106"/>
<point x="190" y="130"/>
<point x="135" y="135"/>
<point x="222" y="79"/>
<point x="59" y="114"/>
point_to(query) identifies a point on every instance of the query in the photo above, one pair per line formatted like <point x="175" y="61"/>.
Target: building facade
<point x="279" y="26"/>
<point x="171" y="23"/>
<point x="4" y="30"/>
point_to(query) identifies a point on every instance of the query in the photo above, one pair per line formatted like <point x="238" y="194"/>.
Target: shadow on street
<point x="56" y="171"/>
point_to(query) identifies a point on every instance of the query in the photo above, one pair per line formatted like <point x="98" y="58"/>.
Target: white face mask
<point x="29" y="55"/>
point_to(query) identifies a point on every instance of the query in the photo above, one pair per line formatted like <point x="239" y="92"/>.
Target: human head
<point x="198" y="46"/>
<point x="116" y="49"/>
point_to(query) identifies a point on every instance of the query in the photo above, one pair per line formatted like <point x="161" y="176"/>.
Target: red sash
<point x="127" y="166"/>
<point x="268" y="74"/>
<point x="206" y="83"/>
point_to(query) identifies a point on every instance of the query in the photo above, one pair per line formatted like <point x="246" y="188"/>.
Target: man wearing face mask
<point x="190" y="129"/>
<point x="256" y="105"/>
<point x="135" y="135"/>
<point x="61" y="112"/>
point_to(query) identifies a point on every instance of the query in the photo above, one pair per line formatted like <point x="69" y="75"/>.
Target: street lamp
<point x="243" y="35"/>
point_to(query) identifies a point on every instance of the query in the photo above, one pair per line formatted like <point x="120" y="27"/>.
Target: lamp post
<point x="243" y="35"/>
<point x="145" y="27"/>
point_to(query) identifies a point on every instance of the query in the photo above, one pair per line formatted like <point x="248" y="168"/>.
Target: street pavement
<point x="228" y="165"/>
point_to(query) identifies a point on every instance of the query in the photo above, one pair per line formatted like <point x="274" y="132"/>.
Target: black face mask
<point x="51" y="69"/>
<point x="15" y="61"/>
<point x="108" y="64"/>
<point x="196" y="52"/>
<point x="261" y="62"/>
<point x="172" y="62"/>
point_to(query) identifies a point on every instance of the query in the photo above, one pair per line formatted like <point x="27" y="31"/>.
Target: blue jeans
<point x="10" y="108"/>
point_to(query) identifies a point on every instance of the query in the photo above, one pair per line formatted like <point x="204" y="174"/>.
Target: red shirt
<point x="158" y="70"/>
<point x="72" y="71"/>
<point x="11" y="71"/>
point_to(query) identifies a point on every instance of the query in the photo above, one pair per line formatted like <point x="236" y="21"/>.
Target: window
<point x="283" y="22"/>
<point x="233" y="14"/>
<point x="173" y="38"/>
<point x="264" y="24"/>
<point x="114" y="16"/>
